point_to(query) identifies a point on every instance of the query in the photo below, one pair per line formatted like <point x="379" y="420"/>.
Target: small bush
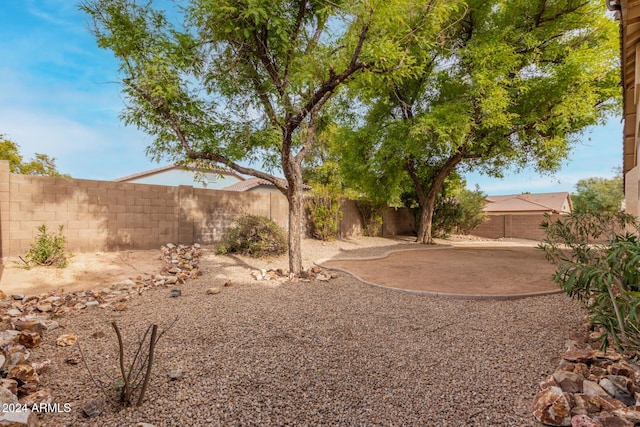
<point x="372" y="216"/>
<point x="48" y="249"/>
<point x="256" y="236"/>
<point x="325" y="213"/>
<point x="598" y="263"/>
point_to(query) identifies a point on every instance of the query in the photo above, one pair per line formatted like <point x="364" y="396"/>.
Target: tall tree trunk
<point x="428" y="199"/>
<point x="295" y="198"/>
<point x="291" y="166"/>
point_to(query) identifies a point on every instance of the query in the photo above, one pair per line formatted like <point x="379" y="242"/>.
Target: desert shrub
<point x="48" y="249"/>
<point x="598" y="259"/>
<point x="324" y="212"/>
<point x="372" y="216"/>
<point x="256" y="236"/>
<point x="471" y="204"/>
<point x="447" y="214"/>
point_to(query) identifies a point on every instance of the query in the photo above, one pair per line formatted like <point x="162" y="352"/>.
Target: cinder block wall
<point x="110" y="216"/>
<point x="513" y="226"/>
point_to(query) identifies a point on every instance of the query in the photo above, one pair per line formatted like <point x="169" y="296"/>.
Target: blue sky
<point x="58" y="96"/>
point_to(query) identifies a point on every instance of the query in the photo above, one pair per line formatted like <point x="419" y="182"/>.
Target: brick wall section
<point x="512" y="226"/>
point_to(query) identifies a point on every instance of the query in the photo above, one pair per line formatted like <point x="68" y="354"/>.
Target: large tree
<point x="241" y="81"/>
<point x="513" y="84"/>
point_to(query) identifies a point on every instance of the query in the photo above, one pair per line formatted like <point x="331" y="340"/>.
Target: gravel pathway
<point x="336" y="353"/>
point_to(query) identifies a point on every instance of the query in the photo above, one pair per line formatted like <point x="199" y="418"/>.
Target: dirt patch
<point x="85" y="271"/>
<point x="471" y="271"/>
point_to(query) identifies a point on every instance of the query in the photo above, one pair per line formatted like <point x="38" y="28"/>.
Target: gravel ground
<point x="336" y="353"/>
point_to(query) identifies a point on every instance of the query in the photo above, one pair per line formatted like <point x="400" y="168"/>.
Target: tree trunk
<point x="295" y="198"/>
<point x="428" y="199"/>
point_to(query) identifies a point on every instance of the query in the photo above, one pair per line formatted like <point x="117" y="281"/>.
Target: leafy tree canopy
<point x="40" y="164"/>
<point x="246" y="81"/>
<point x="511" y="84"/>
<point x="598" y="194"/>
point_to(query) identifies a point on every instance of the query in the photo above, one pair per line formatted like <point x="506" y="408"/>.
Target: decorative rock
<point x="17" y="297"/>
<point x="14" y="312"/>
<point x="40" y="396"/>
<point x="9" y="384"/>
<point x="176" y="374"/>
<point x="144" y="425"/>
<point x="127" y="282"/>
<point x="50" y="324"/>
<point x="15" y="354"/>
<point x="33" y="325"/>
<point x="92" y="408"/>
<point x="569" y="381"/>
<point x="18" y="419"/>
<point x="213" y="291"/>
<point x="8" y="397"/>
<point x="176" y="293"/>
<point x="44" y="308"/>
<point x="579" y="355"/>
<point x="66" y="340"/>
<point x="610" y="420"/>
<point x="584" y="421"/>
<point x="93" y="303"/>
<point x="120" y="307"/>
<point x="3" y="295"/>
<point x="171" y="280"/>
<point x="616" y="387"/>
<point x="41" y="367"/>
<point x="74" y="359"/>
<point x="608" y="403"/>
<point x="29" y="339"/>
<point x="323" y="278"/>
<point x="551" y="407"/>
<point x="592" y="389"/>
<point x="24" y="373"/>
<point x="627" y="414"/>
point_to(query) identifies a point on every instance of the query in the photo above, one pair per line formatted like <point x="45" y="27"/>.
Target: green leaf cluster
<point x="598" y="259"/>
<point x="39" y="165"/>
<point x="598" y="194"/>
<point x="48" y="249"/>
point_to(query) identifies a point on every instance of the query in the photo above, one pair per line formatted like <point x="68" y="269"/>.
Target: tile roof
<point x="176" y="166"/>
<point x="251" y="183"/>
<point x="542" y="202"/>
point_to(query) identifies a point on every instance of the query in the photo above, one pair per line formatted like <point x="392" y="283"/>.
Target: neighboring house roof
<point x="150" y="172"/>
<point x="251" y="183"/>
<point x="543" y="202"/>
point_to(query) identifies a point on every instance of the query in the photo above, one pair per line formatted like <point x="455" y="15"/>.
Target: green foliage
<point x="256" y="236"/>
<point x="511" y="84"/>
<point x="40" y="165"/>
<point x="471" y="203"/>
<point x="446" y="215"/>
<point x="598" y="194"/>
<point x="604" y="275"/>
<point x="48" y="249"/>
<point x="324" y="210"/>
<point x="241" y="82"/>
<point x="372" y="216"/>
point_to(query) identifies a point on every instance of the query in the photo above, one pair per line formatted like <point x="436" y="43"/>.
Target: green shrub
<point x="471" y="203"/>
<point x="447" y="214"/>
<point x="372" y="216"/>
<point x="598" y="263"/>
<point x="325" y="212"/>
<point x="256" y="236"/>
<point x="48" y="249"/>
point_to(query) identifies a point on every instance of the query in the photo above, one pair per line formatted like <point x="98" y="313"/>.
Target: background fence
<point x="110" y="216"/>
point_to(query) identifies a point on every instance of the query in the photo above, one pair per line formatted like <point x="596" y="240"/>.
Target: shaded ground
<point x="462" y="270"/>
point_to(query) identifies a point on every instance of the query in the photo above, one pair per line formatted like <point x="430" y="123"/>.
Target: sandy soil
<point x="85" y="271"/>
